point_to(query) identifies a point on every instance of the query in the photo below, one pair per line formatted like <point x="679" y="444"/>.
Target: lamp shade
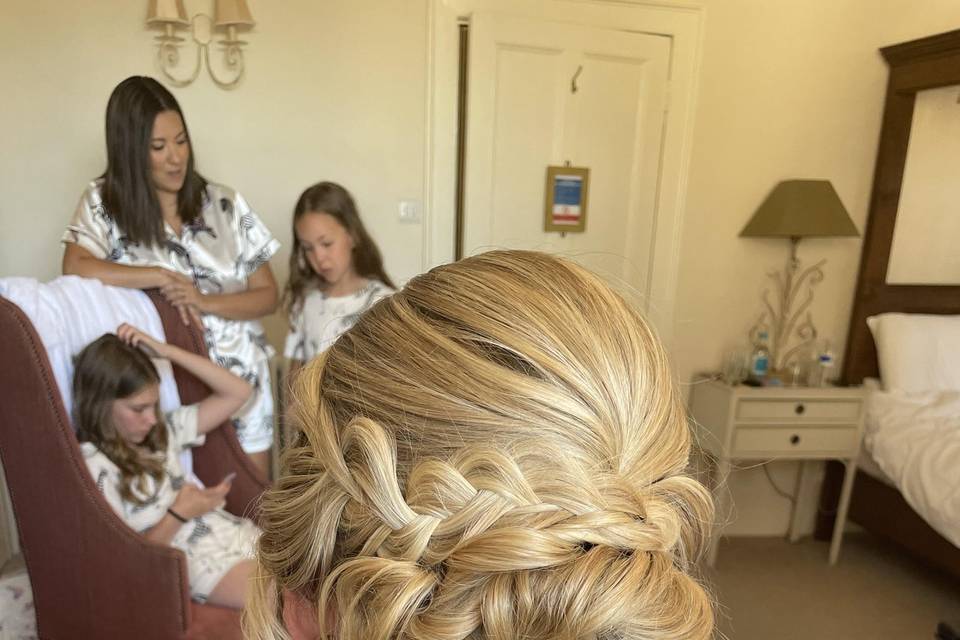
<point x="798" y="209"/>
<point x="230" y="13"/>
<point x="164" y="11"/>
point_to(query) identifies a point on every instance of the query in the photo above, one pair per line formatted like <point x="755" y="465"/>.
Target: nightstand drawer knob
<point x="794" y="439"/>
<point x="799" y="409"/>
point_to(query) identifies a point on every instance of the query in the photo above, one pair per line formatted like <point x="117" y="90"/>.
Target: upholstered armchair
<point x="92" y="576"/>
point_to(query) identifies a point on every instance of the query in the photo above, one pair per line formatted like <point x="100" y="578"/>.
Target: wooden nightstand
<point x="779" y="423"/>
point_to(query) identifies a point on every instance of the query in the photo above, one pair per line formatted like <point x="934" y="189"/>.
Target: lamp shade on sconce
<point x="801" y="209"/>
<point x="232" y="13"/>
<point x="166" y="11"/>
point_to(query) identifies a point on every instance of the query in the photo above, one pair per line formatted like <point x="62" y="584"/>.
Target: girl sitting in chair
<point x="132" y="451"/>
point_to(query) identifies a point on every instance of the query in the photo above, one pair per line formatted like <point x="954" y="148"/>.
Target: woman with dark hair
<point x="152" y="221"/>
<point x="336" y="272"/>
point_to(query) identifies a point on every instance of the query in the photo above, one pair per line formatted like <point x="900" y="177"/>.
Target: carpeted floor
<point x="768" y="589"/>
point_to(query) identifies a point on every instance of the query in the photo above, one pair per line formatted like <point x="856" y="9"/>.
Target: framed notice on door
<point x="565" y="207"/>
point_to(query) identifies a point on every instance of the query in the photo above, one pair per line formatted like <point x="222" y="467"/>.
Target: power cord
<point x="778" y="490"/>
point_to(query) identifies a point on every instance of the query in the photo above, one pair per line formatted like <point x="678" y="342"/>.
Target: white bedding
<point x="915" y="440"/>
<point x="865" y="462"/>
<point x="869" y="466"/>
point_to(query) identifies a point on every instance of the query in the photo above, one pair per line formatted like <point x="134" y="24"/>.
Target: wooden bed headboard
<point x="927" y="63"/>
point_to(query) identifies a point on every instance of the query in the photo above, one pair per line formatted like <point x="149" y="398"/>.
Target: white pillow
<point x="916" y="352"/>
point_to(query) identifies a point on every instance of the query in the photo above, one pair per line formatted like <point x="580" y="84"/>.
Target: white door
<point x="544" y="93"/>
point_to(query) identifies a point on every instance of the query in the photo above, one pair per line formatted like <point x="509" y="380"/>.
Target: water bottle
<point x="826" y="362"/>
<point x="760" y="358"/>
<point x="823" y="368"/>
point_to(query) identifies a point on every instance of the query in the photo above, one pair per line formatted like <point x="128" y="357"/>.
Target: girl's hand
<point x="193" y="501"/>
<point x="182" y="293"/>
<point x="137" y="338"/>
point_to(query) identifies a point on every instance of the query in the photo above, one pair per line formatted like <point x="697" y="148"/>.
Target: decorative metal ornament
<point x="787" y="321"/>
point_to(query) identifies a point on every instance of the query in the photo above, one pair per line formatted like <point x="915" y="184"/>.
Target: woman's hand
<point x="137" y="338"/>
<point x="165" y="277"/>
<point x="182" y="293"/>
<point x="193" y="501"/>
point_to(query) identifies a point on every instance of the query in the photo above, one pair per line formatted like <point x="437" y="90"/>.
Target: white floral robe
<point x="219" y="251"/>
<point x="320" y="319"/>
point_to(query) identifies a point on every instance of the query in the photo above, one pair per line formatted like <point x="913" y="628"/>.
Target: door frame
<point x="681" y="22"/>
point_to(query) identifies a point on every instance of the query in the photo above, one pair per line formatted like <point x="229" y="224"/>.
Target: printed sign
<point x="566" y="199"/>
<point x="567" y="193"/>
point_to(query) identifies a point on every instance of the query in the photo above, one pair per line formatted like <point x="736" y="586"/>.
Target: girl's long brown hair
<point x="334" y="200"/>
<point x="107" y="370"/>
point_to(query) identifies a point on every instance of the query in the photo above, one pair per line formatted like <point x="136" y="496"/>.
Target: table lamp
<point x="796" y="209"/>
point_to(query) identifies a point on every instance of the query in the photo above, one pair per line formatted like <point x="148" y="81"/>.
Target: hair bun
<point x="497" y="451"/>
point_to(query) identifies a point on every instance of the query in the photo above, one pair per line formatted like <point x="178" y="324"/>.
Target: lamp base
<point x="788" y="314"/>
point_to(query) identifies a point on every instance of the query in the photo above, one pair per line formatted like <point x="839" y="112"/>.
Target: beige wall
<point x="788" y="89"/>
<point x="337" y="90"/>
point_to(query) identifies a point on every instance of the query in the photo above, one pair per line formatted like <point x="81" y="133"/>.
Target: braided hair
<point x="496" y="452"/>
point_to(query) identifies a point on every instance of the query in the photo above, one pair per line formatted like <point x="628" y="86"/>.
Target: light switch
<point x="409" y="211"/>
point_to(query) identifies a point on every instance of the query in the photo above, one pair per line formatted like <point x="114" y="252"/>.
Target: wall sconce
<point x="228" y="15"/>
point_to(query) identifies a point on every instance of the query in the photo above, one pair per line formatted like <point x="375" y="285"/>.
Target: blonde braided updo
<point x="495" y="452"/>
